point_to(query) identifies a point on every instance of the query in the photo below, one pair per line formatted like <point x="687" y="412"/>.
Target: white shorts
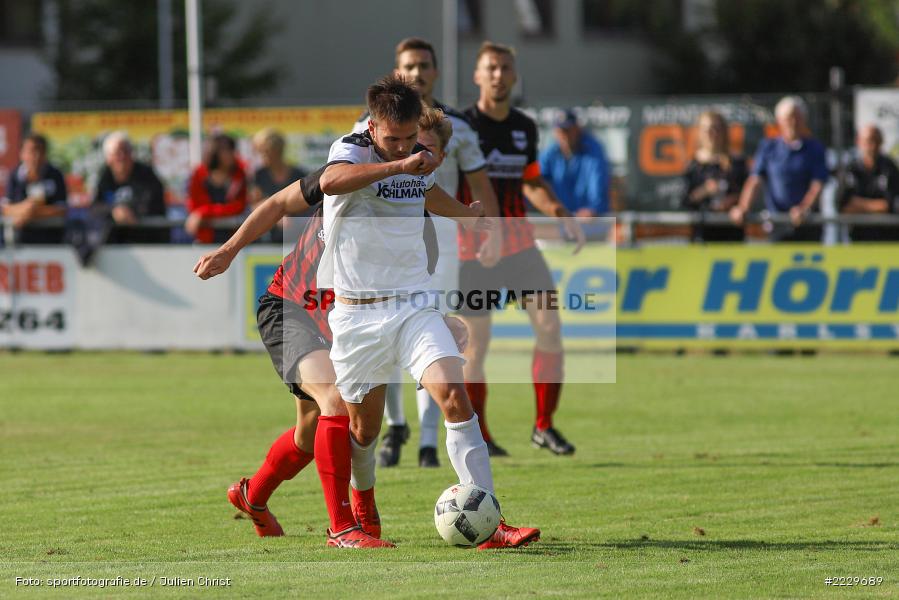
<point x="370" y="340"/>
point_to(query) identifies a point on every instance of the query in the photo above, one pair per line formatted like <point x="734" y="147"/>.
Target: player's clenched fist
<point x="212" y="264"/>
<point x="420" y="163"/>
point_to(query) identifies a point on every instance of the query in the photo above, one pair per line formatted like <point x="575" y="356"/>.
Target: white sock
<point x="393" y="406"/>
<point x="468" y="453"/>
<point x="429" y="417"/>
<point x="363" y="472"/>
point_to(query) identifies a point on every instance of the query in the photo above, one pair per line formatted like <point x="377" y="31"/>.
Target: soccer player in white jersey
<point x="376" y="191"/>
<point x="416" y="60"/>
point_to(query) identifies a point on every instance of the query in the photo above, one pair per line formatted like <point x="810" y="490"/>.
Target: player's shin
<point x="547" y="372"/>
<point x="468" y="453"/>
<point x="477" y="393"/>
<point x="365" y="511"/>
<point x="429" y="417"/>
<point x="363" y="469"/>
<point x="283" y="462"/>
<point x="332" y="452"/>
<point x="393" y="400"/>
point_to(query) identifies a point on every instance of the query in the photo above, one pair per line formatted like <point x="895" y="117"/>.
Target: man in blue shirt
<point x="793" y="169"/>
<point x="578" y="171"/>
<point x="36" y="191"/>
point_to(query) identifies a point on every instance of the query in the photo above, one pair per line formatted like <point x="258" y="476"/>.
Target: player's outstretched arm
<point x="542" y="197"/>
<point x="290" y="200"/>
<point x="346" y="178"/>
<point x="491" y="248"/>
<point x="440" y="203"/>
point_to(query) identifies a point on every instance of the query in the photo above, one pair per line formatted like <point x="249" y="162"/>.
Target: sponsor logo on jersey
<point x="519" y="139"/>
<point x="505" y="166"/>
<point x="403" y="188"/>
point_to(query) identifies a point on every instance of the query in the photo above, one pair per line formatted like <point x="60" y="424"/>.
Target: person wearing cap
<point x="576" y="167"/>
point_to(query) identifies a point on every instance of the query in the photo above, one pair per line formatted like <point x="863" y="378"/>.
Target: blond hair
<point x="720" y="146"/>
<point x="488" y="47"/>
<point x="270" y="138"/>
<point x="433" y="119"/>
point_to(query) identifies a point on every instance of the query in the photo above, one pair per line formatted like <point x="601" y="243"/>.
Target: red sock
<point x="546" y="370"/>
<point x="283" y="462"/>
<point x="363" y="497"/>
<point x="332" y="457"/>
<point x="477" y="393"/>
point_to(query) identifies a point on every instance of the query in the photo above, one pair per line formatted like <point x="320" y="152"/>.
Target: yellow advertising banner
<point x="722" y="296"/>
<point x="160" y="137"/>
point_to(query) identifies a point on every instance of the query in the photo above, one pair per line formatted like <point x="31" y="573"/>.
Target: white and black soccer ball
<point x="466" y="515"/>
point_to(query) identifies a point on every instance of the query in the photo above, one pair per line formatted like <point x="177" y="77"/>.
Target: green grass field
<point x="734" y="477"/>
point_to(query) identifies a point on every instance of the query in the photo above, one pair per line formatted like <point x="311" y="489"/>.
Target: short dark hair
<point x="415" y="43"/>
<point x="38" y="140"/>
<point x="394" y="99"/>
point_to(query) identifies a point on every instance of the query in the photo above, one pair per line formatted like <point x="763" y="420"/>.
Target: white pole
<point x="450" y="60"/>
<point x="164" y="53"/>
<point x="194" y="76"/>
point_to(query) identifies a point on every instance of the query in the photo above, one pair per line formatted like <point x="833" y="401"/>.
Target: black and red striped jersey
<point x="295" y="279"/>
<point x="510" y="148"/>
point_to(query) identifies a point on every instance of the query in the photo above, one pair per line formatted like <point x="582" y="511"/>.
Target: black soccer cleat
<point x="494" y="450"/>
<point x="427" y="457"/>
<point x="396" y="436"/>
<point x="552" y="440"/>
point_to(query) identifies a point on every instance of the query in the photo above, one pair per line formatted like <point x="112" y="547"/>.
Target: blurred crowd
<point x="786" y="176"/>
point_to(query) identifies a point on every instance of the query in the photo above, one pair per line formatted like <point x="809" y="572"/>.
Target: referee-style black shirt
<point x="880" y="182"/>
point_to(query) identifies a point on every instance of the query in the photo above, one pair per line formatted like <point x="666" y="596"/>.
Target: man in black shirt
<point x="872" y="187"/>
<point x="128" y="191"/>
<point x="36" y="190"/>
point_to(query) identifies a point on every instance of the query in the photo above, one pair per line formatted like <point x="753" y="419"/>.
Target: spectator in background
<point x="36" y="191"/>
<point x="217" y="190"/>
<point x="714" y="179"/>
<point x="129" y="191"/>
<point x="273" y="176"/>
<point x="793" y="169"/>
<point x="872" y="187"/>
<point x="576" y="167"/>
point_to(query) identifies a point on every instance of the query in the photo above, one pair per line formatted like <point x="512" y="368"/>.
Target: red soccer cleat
<point x="264" y="521"/>
<point x="354" y="537"/>
<point x="365" y="511"/>
<point x="507" y="536"/>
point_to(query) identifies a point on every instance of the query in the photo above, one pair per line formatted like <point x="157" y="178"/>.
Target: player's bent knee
<point x="363" y="433"/>
<point x="454" y="402"/>
<point x="548" y="327"/>
<point x="332" y="404"/>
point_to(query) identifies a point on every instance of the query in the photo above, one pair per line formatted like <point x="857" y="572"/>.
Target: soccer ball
<point x="466" y="515"/>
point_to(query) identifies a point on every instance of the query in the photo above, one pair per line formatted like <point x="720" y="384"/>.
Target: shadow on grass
<point x="550" y="548"/>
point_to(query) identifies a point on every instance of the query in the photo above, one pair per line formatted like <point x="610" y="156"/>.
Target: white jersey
<point x="373" y="236"/>
<point x="463" y="155"/>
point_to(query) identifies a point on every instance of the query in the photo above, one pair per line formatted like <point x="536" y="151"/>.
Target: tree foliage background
<point x="769" y="45"/>
<point x="107" y="50"/>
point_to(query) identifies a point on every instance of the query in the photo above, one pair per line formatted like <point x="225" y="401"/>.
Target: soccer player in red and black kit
<point x="508" y="140"/>
<point x="296" y="334"/>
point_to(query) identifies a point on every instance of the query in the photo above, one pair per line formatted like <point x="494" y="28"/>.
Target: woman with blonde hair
<point x="714" y="179"/>
<point x="273" y="175"/>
